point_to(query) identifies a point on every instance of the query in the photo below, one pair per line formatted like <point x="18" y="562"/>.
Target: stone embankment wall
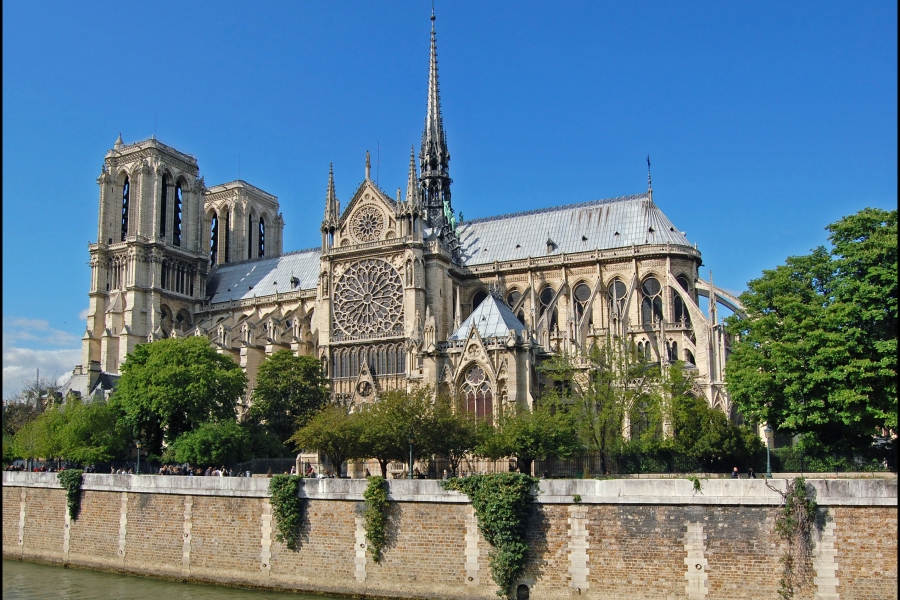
<point x="626" y="539"/>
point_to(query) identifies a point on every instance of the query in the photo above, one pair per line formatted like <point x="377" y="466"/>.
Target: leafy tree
<point x="398" y="421"/>
<point x="88" y="432"/>
<point x="453" y="432"/>
<point x="289" y="390"/>
<point x="335" y="432"/>
<point x="214" y="443"/>
<point x="817" y="353"/>
<point x="529" y="435"/>
<point x="173" y="386"/>
<point x="263" y="444"/>
<point x="16" y="414"/>
<point x="40" y="438"/>
<point x="608" y="384"/>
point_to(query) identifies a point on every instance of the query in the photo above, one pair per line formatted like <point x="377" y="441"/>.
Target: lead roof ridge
<point x="549" y="209"/>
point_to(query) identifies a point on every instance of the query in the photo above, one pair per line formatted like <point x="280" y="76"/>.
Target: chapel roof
<point x="492" y="318"/>
<point x="597" y="224"/>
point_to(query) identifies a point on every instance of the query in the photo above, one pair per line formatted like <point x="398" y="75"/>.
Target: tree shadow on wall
<point x="537" y="528"/>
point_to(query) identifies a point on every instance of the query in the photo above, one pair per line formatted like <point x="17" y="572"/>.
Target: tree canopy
<point x="817" y="353"/>
<point x="289" y="390"/>
<point x="334" y="431"/>
<point x="173" y="386"/>
<point x="211" y="444"/>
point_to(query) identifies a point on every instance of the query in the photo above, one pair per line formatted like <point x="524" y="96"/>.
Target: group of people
<point x="735" y="474"/>
<point x="199" y="472"/>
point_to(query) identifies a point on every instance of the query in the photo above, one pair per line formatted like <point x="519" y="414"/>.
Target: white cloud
<point x="83" y="315"/>
<point x="31" y="344"/>
<point x="20" y="364"/>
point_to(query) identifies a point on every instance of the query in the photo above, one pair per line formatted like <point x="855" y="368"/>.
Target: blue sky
<point x="764" y="121"/>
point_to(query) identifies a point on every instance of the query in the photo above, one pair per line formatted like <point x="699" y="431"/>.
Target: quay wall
<point x="625" y="539"/>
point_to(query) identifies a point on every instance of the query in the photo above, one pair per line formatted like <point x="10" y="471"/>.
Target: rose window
<point x="367" y="224"/>
<point x="369" y="299"/>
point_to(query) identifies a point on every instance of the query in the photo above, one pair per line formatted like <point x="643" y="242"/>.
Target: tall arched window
<point x="680" y="312"/>
<point x="651" y="302"/>
<point x="250" y="236"/>
<point x="163" y="205"/>
<point x="214" y="240"/>
<point x="617" y="296"/>
<point x="227" y="234"/>
<point x="478" y="298"/>
<point x="176" y="221"/>
<point x="477" y="394"/>
<point x="126" y="192"/>
<point x="262" y="237"/>
<point x="546" y="298"/>
<point x="512" y="299"/>
<point x="581" y="295"/>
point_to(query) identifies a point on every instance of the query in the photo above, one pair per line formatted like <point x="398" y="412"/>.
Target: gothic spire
<point x="649" y="181"/>
<point x="434" y="158"/>
<point x="332" y="204"/>
<point x="412" y="181"/>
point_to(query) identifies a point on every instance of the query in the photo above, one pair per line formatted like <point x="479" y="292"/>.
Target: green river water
<point x="29" y="581"/>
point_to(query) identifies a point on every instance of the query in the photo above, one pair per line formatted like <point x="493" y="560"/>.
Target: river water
<point x="29" y="581"/>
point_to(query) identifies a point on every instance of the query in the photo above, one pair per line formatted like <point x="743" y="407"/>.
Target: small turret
<point x="332" y="211"/>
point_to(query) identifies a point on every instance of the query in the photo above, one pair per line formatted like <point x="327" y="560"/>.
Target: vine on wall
<point x="376" y="515"/>
<point x="794" y="524"/>
<point x="70" y="479"/>
<point x="287" y="508"/>
<point x="501" y="502"/>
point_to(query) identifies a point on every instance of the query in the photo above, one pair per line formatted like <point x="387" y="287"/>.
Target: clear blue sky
<point x="765" y="121"/>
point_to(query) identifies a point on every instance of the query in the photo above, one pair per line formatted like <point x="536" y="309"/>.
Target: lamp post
<point x="138" y="444"/>
<point x="410" y="457"/>
<point x="769" y="433"/>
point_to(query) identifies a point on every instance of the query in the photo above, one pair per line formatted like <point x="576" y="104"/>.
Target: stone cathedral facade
<point x="399" y="294"/>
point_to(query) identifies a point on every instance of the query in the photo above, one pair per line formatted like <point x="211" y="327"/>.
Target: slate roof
<point x="264" y="276"/>
<point x="492" y="318"/>
<point x="598" y="224"/>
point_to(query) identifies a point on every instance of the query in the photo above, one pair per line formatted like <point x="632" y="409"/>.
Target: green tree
<point x="173" y="386"/>
<point x="335" y="432"/>
<point x="214" y="443"/>
<point x="453" y="432"/>
<point x="289" y="390"/>
<point x="397" y="422"/>
<point x="88" y="433"/>
<point x="817" y="353"/>
<point x="607" y="384"/>
<point x="529" y="435"/>
<point x="16" y="414"/>
<point x="41" y="437"/>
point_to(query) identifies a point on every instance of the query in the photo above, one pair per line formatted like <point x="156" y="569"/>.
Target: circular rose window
<point x="368" y="299"/>
<point x="367" y="224"/>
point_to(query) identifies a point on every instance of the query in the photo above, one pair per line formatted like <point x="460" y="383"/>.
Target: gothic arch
<point x="477" y="391"/>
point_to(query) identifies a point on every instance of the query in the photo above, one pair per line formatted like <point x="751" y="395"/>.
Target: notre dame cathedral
<point x="401" y="293"/>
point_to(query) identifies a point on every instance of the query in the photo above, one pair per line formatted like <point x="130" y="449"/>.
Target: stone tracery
<point x="368" y="300"/>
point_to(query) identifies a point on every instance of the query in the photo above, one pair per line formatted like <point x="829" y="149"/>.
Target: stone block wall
<point x="624" y="540"/>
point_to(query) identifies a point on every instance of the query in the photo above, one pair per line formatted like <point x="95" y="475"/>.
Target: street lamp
<point x="410" y="457"/>
<point x="769" y="434"/>
<point x="138" y="444"/>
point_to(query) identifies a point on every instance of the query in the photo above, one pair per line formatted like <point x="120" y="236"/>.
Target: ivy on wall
<point x="794" y="524"/>
<point x="501" y="502"/>
<point x="376" y="515"/>
<point x="287" y="508"/>
<point x="70" y="479"/>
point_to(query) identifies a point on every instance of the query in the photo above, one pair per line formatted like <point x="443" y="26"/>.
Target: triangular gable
<point x="367" y="186"/>
<point x="492" y="318"/>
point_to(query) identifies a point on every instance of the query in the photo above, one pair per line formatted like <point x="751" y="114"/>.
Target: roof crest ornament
<point x="368" y="166"/>
<point x="649" y="181"/>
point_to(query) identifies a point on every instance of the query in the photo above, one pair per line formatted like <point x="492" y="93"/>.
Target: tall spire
<point x="412" y="181"/>
<point x="649" y="181"/>
<point x="332" y="204"/>
<point x="434" y="158"/>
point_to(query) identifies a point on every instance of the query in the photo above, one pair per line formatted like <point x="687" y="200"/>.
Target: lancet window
<point x="176" y="221"/>
<point x="214" y="240"/>
<point x="250" y="236"/>
<point x="383" y="359"/>
<point x="582" y="295"/>
<point x="651" y="301"/>
<point x="512" y="299"/>
<point x="617" y="296"/>
<point x="680" y="312"/>
<point x="126" y="192"/>
<point x="163" y="205"/>
<point x="262" y="237"/>
<point x="477" y="394"/>
<point x="546" y="299"/>
<point x="227" y="234"/>
<point x="478" y="298"/>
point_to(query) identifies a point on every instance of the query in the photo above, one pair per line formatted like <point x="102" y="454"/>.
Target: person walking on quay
<point x="750" y="473"/>
<point x="735" y="474"/>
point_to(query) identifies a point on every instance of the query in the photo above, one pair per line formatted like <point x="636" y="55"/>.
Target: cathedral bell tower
<point x="148" y="266"/>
